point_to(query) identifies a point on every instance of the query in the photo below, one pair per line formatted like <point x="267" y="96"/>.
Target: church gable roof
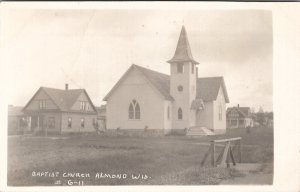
<point x="207" y="88"/>
<point x="160" y="81"/>
<point x="183" y="51"/>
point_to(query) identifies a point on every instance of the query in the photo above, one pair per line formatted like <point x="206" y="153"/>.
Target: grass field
<point x="170" y="160"/>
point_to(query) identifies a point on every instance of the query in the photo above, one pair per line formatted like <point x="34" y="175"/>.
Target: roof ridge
<point x="60" y="89"/>
<point x="239" y="110"/>
<point x="151" y="70"/>
<point x="210" y="77"/>
<point x="49" y="95"/>
<point x="209" y="86"/>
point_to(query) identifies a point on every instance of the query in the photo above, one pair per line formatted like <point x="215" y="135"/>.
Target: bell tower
<point x="183" y="81"/>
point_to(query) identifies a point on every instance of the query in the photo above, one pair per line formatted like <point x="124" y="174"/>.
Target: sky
<point x="92" y="49"/>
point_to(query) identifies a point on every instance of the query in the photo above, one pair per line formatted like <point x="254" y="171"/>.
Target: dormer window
<point x="42" y="104"/>
<point x="180" y="68"/>
<point x="84" y="106"/>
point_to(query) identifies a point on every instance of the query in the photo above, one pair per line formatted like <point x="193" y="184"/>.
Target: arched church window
<point x="180" y="68"/>
<point x="179" y="113"/>
<point x="137" y="112"/>
<point x="134" y="111"/>
<point x="131" y="111"/>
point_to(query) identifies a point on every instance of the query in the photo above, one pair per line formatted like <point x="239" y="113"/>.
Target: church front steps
<point x="199" y="131"/>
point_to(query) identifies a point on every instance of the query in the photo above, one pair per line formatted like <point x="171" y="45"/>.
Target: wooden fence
<point x="227" y="154"/>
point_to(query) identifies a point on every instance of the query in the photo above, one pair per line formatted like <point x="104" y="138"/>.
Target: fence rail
<point x="230" y="146"/>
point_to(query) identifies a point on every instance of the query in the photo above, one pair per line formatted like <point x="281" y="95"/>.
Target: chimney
<point x="196" y="73"/>
<point x="238" y="106"/>
<point x="66" y="86"/>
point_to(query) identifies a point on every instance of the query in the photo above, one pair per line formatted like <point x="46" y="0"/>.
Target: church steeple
<point x="183" y="51"/>
<point x="183" y="81"/>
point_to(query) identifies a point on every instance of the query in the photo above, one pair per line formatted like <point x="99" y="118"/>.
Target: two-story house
<point x="57" y="110"/>
<point x="239" y="117"/>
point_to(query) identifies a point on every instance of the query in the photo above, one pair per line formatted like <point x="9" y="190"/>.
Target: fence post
<point x="226" y="154"/>
<point x="213" y="154"/>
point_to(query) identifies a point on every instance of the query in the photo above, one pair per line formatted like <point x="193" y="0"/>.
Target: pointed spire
<point x="183" y="51"/>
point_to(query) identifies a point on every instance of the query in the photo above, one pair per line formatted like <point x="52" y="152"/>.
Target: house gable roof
<point x="207" y="88"/>
<point x="63" y="99"/>
<point x="243" y="111"/>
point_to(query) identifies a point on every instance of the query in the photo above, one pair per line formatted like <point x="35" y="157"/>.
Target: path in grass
<point x="253" y="174"/>
<point x="250" y="179"/>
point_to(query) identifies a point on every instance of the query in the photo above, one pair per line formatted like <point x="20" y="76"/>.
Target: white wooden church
<point x="144" y="99"/>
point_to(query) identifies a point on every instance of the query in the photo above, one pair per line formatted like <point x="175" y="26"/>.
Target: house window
<point x="95" y="123"/>
<point x="82" y="122"/>
<point x="51" y="122"/>
<point x="42" y="104"/>
<point x="180" y="114"/>
<point x="168" y="112"/>
<point x="180" y="68"/>
<point x="134" y="111"/>
<point x="193" y="66"/>
<point x="70" y="122"/>
<point x="82" y="105"/>
<point x="241" y="122"/>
